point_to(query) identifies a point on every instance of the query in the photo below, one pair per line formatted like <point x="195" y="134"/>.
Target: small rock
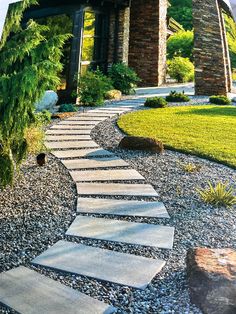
<point x="113" y="94"/>
<point x="141" y="143"/>
<point x="48" y="102"/>
<point x="212" y="279"/>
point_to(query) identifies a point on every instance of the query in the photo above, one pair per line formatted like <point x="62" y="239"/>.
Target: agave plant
<point x="219" y="194"/>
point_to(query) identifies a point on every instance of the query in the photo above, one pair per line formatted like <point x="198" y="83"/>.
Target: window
<point x="94" y="41"/>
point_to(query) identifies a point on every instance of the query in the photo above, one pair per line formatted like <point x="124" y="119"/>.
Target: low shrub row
<point x="161" y="102"/>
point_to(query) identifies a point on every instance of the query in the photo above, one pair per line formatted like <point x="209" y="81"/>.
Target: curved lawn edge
<point x="137" y="118"/>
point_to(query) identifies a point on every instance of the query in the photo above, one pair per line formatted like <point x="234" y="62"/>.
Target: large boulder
<point x="141" y="143"/>
<point x="48" y="102"/>
<point x="212" y="279"/>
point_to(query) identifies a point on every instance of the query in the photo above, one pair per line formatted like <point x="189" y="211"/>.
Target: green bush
<point x="123" y="78"/>
<point x="220" y="100"/>
<point x="180" y="45"/>
<point x="92" y="88"/>
<point x="177" y="97"/>
<point x="67" y="108"/>
<point x="181" y="69"/>
<point x="155" y="102"/>
<point x="43" y="118"/>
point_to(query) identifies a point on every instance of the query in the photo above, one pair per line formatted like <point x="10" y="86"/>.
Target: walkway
<point x="100" y="176"/>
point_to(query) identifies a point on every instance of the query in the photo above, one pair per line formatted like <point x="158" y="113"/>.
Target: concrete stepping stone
<point x="26" y="291"/>
<point x="122" y="231"/>
<point x="71" y="127"/>
<point x="116" y="189"/>
<point x="106" y="175"/>
<point x="68" y="137"/>
<point x="80" y="153"/>
<point x="109" y="162"/>
<point x="68" y="122"/>
<point x="68" y="132"/>
<point x="101" y="264"/>
<point x="121" y="207"/>
<point x="93" y="114"/>
<point x="85" y="118"/>
<point x="71" y="144"/>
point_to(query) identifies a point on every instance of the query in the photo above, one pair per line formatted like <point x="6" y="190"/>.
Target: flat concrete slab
<point x="68" y="137"/>
<point x="121" y="207"/>
<point x="80" y="153"/>
<point x="71" y="144"/>
<point x="106" y="175"/>
<point x="112" y="111"/>
<point x="72" y="127"/>
<point x="85" y="118"/>
<point x="92" y="114"/>
<point x="122" y="231"/>
<point x="116" y="189"/>
<point x="67" y="122"/>
<point x="26" y="291"/>
<point x="106" y="265"/>
<point x="68" y="132"/>
<point x="109" y="162"/>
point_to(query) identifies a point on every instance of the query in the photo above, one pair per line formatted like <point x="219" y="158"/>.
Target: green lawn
<point x="207" y="131"/>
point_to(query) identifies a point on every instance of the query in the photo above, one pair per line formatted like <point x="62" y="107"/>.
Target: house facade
<point x="109" y="31"/>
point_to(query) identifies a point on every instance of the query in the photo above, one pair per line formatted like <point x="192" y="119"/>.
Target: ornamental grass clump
<point x="220" y="100"/>
<point x="156" y="102"/>
<point x="219" y="194"/>
<point x="177" y="97"/>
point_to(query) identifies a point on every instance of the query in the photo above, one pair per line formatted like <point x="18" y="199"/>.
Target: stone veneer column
<point x="148" y="34"/>
<point x="119" y="36"/>
<point x="212" y="63"/>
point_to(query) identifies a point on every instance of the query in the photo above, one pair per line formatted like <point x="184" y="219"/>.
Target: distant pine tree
<point x="29" y="65"/>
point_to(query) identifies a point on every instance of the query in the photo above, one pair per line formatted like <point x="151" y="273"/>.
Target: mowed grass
<point x="208" y="131"/>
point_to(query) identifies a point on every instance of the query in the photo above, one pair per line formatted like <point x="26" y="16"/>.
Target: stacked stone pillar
<point x="147" y="47"/>
<point x="119" y="35"/>
<point x="211" y="54"/>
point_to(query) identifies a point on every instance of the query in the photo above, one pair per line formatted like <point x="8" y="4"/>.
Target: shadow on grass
<point x="215" y="111"/>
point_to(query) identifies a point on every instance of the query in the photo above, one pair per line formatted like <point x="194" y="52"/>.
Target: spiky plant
<point x="219" y="194"/>
<point x="29" y="65"/>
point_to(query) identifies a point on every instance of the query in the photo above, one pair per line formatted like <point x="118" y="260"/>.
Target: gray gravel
<point x="35" y="212"/>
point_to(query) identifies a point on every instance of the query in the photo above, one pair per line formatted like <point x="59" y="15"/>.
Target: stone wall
<point x="212" y="63"/>
<point x="119" y="35"/>
<point x="148" y="33"/>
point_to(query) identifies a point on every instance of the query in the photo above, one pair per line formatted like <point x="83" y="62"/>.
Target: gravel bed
<point x="35" y="212"/>
<point x="196" y="223"/>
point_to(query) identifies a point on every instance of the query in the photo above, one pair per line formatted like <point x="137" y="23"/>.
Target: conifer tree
<point x="29" y="65"/>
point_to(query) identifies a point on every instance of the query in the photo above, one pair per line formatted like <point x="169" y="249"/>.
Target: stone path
<point x="97" y="173"/>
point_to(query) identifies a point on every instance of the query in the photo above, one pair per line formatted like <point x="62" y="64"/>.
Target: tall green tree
<point x="29" y="65"/>
<point x="231" y="37"/>
<point x="181" y="11"/>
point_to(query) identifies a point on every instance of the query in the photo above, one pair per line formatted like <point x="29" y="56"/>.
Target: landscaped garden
<point x="84" y="211"/>
<point x="208" y="131"/>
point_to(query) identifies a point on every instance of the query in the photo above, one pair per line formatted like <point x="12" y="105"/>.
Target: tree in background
<point x="181" y="11"/>
<point x="180" y="44"/>
<point x="29" y="65"/>
<point x="231" y="37"/>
